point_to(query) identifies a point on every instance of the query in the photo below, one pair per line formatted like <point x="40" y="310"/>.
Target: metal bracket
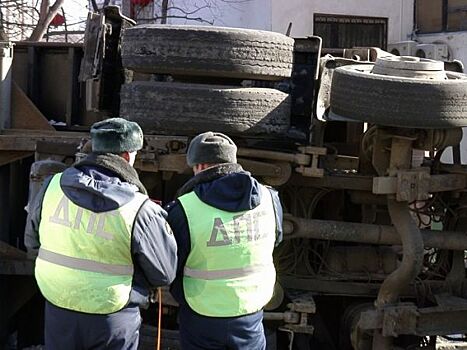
<point x="406" y="318"/>
<point x="313" y="169"/>
<point x="416" y="185"/>
<point x="303" y="306"/>
<point x="369" y="54"/>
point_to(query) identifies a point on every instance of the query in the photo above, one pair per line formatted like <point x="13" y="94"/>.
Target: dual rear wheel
<point x="214" y="55"/>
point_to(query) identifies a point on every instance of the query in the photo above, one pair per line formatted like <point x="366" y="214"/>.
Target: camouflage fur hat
<point x="116" y="135"/>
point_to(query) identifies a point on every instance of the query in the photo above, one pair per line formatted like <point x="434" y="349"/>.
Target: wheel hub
<point x="410" y="67"/>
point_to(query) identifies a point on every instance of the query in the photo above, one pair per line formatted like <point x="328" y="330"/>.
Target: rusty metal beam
<point x="434" y="183"/>
<point x="328" y="287"/>
<point x="351" y="288"/>
<point x="274" y="173"/>
<point x="295" y="227"/>
<point x="296" y="158"/>
<point x="340" y="162"/>
<point x="340" y="182"/>
<point x="407" y="319"/>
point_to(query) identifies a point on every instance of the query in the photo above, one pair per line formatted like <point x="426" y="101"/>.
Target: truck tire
<point x="396" y="101"/>
<point x="207" y="51"/>
<point x="187" y="109"/>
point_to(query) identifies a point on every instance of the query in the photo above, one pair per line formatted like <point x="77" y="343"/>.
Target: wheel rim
<point x="410" y="67"/>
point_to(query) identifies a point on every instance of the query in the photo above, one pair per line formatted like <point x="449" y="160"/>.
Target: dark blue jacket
<point x="226" y="187"/>
<point x="153" y="246"/>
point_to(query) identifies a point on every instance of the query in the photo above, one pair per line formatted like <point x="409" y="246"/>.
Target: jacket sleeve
<point x="33" y="219"/>
<point x="279" y="214"/>
<point x="178" y="221"/>
<point x="153" y="245"/>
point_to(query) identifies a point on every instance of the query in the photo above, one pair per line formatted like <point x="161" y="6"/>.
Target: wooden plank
<point x="8" y="251"/>
<point x="28" y="143"/>
<point x="13" y="143"/>
<point x="7" y="157"/>
<point x="43" y="133"/>
<point x="22" y="267"/>
<point x="23" y="288"/>
<point x="24" y="113"/>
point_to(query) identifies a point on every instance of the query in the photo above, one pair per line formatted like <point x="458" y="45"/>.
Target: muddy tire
<point x="187" y="109"/>
<point x="208" y="51"/>
<point x="397" y="101"/>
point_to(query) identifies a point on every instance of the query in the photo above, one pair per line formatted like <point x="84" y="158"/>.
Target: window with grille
<point x="350" y="31"/>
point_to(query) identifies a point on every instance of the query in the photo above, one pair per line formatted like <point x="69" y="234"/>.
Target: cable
<point x="159" y="319"/>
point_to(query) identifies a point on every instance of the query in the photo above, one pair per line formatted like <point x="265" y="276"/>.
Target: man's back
<point x="226" y="225"/>
<point x="95" y="224"/>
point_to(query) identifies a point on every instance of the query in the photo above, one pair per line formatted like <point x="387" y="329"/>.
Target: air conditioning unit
<point x="403" y="48"/>
<point x="438" y="52"/>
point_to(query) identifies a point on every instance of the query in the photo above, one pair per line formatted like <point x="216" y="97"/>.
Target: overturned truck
<point x="364" y="150"/>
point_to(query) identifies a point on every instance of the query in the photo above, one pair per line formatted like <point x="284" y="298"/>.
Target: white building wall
<point x="276" y="15"/>
<point x="300" y="13"/>
<point x="253" y="14"/>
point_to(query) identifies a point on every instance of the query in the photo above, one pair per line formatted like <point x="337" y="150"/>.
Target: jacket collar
<point x="117" y="165"/>
<point x="209" y="175"/>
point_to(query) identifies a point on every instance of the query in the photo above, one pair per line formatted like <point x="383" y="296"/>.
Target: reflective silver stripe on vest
<point x="84" y="264"/>
<point x="224" y="274"/>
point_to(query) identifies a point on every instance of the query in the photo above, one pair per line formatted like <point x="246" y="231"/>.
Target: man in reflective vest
<point x="226" y="225"/>
<point x="102" y="245"/>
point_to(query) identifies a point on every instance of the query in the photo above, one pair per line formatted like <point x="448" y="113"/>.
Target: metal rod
<point x="410" y="267"/>
<point x="295" y="227"/>
<point x="411" y="238"/>
<point x="412" y="254"/>
<point x="302" y="159"/>
<point x="273" y="316"/>
<point x="6" y="60"/>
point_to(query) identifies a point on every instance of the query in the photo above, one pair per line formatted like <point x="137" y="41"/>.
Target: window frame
<point x="444" y="19"/>
<point x="343" y="19"/>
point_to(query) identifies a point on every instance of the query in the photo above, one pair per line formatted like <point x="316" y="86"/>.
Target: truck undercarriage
<point x="376" y="219"/>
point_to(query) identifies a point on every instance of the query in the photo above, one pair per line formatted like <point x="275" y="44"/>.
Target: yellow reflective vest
<point x="229" y="271"/>
<point x="84" y="262"/>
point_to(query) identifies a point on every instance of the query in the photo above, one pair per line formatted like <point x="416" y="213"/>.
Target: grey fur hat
<point x="212" y="148"/>
<point x="116" y="135"/>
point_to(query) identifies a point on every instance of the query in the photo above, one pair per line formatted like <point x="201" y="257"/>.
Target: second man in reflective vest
<point x="226" y="225"/>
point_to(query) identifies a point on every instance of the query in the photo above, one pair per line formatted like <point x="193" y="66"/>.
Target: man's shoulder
<point x="151" y="216"/>
<point x="173" y="208"/>
<point x="152" y="206"/>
